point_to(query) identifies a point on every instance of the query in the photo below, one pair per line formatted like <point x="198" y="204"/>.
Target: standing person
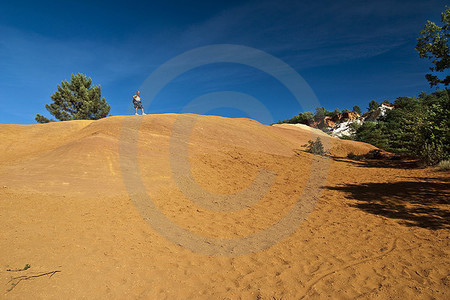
<point x="137" y="103"/>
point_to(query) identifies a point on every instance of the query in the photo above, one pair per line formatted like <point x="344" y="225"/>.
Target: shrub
<point x="301" y="118"/>
<point x="431" y="153"/>
<point x="444" y="165"/>
<point x="326" y="130"/>
<point x="374" y="154"/>
<point x="315" y="147"/>
<point x="347" y="137"/>
<point x="351" y="155"/>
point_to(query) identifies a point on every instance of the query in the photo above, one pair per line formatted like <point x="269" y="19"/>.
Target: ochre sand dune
<point x="378" y="229"/>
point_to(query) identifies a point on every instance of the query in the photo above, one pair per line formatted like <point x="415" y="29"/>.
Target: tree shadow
<point x="381" y="163"/>
<point x="441" y="179"/>
<point x="414" y="203"/>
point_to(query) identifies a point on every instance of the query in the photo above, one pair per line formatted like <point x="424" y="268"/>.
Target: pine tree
<point x="76" y="100"/>
<point x="373" y="105"/>
<point x="357" y="109"/>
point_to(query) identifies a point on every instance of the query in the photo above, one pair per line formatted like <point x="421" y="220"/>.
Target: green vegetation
<point x="301" y="118"/>
<point x="444" y="165"/>
<point x="321" y="113"/>
<point x="27" y="266"/>
<point x="336" y="112"/>
<point x="418" y="127"/>
<point x="357" y="109"/>
<point x="76" y="100"/>
<point x="373" y="105"/>
<point x="433" y="44"/>
<point x="352" y="155"/>
<point x="372" y="154"/>
<point x="309" y="117"/>
<point x="315" y="147"/>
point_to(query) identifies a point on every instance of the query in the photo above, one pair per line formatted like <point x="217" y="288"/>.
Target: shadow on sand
<point x="381" y="163"/>
<point x="414" y="203"/>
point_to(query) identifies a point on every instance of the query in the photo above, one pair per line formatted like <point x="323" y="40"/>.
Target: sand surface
<point x="377" y="229"/>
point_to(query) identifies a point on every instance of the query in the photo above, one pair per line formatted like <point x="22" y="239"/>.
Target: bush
<point x="444" y="165"/>
<point x="347" y="137"/>
<point x="326" y="130"/>
<point x="301" y="118"/>
<point x="374" y="154"/>
<point x="431" y="154"/>
<point x="315" y="147"/>
<point x="352" y="155"/>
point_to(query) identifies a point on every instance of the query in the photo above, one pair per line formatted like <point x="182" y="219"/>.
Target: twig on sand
<point x="17" y="280"/>
<point x="27" y="266"/>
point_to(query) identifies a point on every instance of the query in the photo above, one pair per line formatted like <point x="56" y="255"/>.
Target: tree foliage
<point x="418" y="127"/>
<point x="433" y="44"/>
<point x="301" y="118"/>
<point x="357" y="109"/>
<point x="321" y="113"/>
<point x="336" y="112"/>
<point x="315" y="147"/>
<point x="373" y="105"/>
<point x="76" y="100"/>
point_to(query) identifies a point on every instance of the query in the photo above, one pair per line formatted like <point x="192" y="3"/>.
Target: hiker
<point x="137" y="103"/>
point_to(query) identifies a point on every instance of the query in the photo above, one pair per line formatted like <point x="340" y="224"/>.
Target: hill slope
<point x="64" y="205"/>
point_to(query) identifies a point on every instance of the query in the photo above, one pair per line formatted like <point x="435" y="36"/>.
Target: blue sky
<point x="349" y="52"/>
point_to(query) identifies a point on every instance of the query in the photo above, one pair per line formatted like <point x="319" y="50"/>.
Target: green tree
<point x="373" y="133"/>
<point x="433" y="44"/>
<point x="433" y="127"/>
<point x="336" y="112"/>
<point x="321" y="113"/>
<point x="309" y="117"/>
<point x="401" y="126"/>
<point x="373" y="105"/>
<point x="357" y="109"/>
<point x="302" y="118"/>
<point x="76" y="100"/>
<point x="417" y="127"/>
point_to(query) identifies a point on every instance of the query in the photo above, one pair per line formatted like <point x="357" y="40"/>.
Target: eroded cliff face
<point x="340" y="125"/>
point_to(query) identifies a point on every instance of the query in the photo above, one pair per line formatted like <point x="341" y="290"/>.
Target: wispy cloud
<point x="308" y="35"/>
<point x="304" y="35"/>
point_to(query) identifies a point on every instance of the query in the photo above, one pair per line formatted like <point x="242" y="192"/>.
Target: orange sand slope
<point x="85" y="198"/>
